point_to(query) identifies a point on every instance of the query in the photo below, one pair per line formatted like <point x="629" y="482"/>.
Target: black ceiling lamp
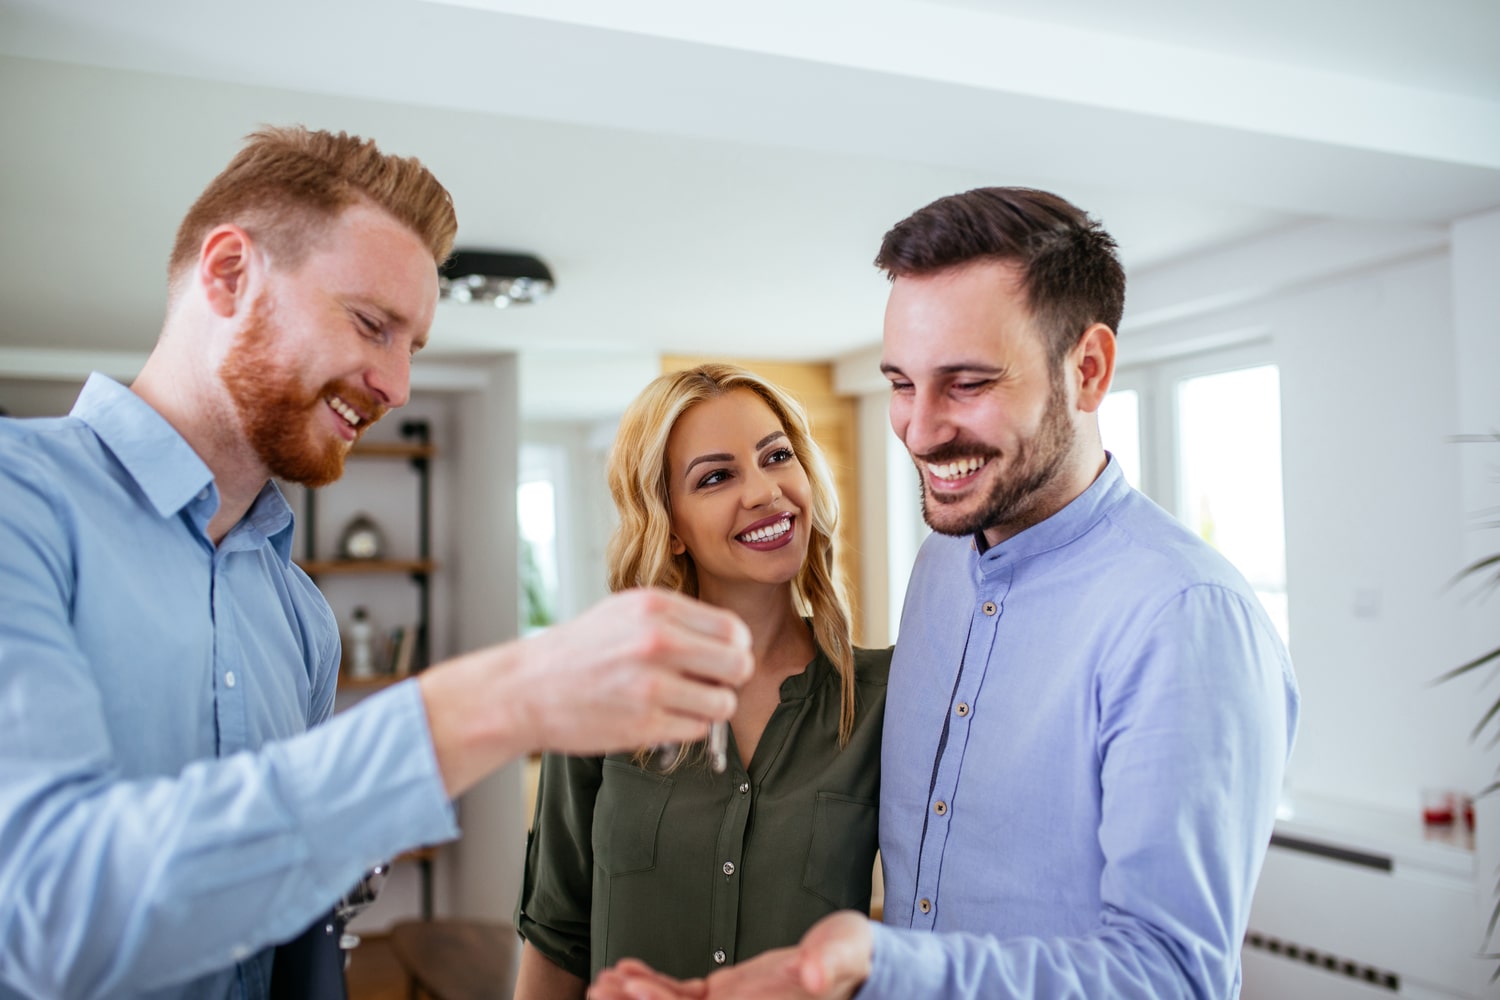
<point x="499" y="279"/>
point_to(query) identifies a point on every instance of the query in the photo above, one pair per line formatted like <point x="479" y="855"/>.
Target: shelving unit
<point x="417" y="449"/>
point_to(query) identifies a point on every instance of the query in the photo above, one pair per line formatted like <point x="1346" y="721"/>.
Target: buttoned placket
<point x="994" y="573"/>
<point x="725" y="905"/>
<point x="229" y="686"/>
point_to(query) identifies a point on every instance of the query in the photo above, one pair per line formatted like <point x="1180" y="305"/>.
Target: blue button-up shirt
<point x="1084" y="745"/>
<point x="165" y="813"/>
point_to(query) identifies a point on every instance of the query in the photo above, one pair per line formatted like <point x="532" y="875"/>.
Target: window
<point x="1120" y="427"/>
<point x="1215" y="462"/>
<point x="537" y="514"/>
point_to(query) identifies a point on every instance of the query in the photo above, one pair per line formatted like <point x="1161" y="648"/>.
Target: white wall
<point x="1371" y="501"/>
<point x="486" y="609"/>
<point x="1476" y="297"/>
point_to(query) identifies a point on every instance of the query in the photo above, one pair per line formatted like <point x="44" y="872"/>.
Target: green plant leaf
<point x="1472" y="664"/>
<point x="1494" y="710"/>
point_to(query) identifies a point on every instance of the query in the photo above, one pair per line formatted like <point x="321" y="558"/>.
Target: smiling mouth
<point x="954" y="472"/>
<point x="768" y="532"/>
<point x="344" y="410"/>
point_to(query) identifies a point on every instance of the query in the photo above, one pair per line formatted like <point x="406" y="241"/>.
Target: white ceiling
<point x="713" y="178"/>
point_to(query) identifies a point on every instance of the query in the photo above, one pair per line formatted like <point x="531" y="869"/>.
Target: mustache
<point x="954" y="450"/>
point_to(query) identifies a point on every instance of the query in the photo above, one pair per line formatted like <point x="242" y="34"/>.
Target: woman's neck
<point x="779" y="638"/>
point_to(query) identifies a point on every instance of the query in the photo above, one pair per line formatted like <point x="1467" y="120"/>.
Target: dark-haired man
<point x="1089" y="712"/>
<point x="174" y="799"/>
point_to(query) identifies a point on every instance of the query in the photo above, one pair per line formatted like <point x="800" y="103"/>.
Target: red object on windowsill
<point x="1439" y="807"/>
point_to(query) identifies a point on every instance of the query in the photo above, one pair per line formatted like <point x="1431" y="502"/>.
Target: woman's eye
<point x="714" y="478"/>
<point x="779" y="455"/>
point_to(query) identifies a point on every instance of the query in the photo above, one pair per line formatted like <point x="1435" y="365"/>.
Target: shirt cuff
<point x="897" y="963"/>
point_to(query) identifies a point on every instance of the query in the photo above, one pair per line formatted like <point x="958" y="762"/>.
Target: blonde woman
<point x="723" y="496"/>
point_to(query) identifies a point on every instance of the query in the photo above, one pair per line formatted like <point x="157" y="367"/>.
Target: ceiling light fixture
<point x="501" y="279"/>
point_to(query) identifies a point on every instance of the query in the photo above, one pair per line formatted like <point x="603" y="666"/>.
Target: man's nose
<point x="927" y="423"/>
<point x="389" y="377"/>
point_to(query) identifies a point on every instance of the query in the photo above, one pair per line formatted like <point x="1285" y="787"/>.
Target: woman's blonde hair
<point x="640" y="551"/>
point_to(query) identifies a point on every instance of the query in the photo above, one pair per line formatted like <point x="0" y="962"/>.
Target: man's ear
<point x="1093" y="363"/>
<point x="223" y="269"/>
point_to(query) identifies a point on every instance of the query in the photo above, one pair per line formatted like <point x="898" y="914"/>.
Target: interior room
<point x="1307" y="203"/>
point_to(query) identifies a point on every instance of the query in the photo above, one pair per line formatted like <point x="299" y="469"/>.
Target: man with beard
<point x="1089" y="713"/>
<point x="174" y="798"/>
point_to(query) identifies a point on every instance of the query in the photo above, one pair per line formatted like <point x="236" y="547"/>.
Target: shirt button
<point x="229" y="678"/>
<point x="203" y="493"/>
<point x="925" y="905"/>
<point x="744" y="787"/>
<point x="729" y="868"/>
<point x="941" y="808"/>
<point x="989" y="607"/>
<point x="719" y="957"/>
<point x="962" y="709"/>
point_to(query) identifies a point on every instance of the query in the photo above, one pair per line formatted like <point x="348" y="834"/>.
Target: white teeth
<point x="956" y="470"/>
<point x="769" y="532"/>
<point x="344" y="410"/>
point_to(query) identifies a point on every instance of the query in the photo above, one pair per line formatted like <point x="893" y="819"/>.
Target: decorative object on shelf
<point x="361" y="645"/>
<point x="362" y="539"/>
<point x="494" y="278"/>
<point x="403" y="648"/>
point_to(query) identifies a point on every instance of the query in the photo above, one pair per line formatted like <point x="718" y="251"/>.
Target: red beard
<point x="280" y="418"/>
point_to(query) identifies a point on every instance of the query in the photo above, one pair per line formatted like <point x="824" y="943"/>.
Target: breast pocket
<point x="627" y="815"/>
<point x="841" y="857"/>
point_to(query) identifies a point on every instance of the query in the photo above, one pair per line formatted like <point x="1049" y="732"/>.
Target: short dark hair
<point x="1070" y="267"/>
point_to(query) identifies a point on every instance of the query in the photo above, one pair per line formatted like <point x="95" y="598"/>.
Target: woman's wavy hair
<point x="640" y="551"/>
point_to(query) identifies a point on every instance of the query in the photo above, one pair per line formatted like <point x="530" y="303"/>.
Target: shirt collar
<point x="1085" y="510"/>
<point x="164" y="466"/>
<point x="159" y="459"/>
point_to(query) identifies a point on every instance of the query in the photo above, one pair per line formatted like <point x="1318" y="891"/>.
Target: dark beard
<point x="277" y="414"/>
<point x="1014" y="498"/>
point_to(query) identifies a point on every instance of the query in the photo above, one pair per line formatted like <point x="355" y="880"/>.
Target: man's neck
<point x="1070" y="484"/>
<point x="208" y="424"/>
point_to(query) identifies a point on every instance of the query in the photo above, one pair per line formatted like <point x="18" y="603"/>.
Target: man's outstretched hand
<point x="831" y="963"/>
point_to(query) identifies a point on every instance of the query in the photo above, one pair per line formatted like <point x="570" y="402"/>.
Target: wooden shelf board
<point x="393" y="449"/>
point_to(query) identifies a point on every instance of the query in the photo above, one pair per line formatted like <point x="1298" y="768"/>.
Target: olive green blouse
<point x="692" y="870"/>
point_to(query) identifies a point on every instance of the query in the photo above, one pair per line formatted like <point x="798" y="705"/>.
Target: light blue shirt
<point x="165" y="813"/>
<point x="1085" y="736"/>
